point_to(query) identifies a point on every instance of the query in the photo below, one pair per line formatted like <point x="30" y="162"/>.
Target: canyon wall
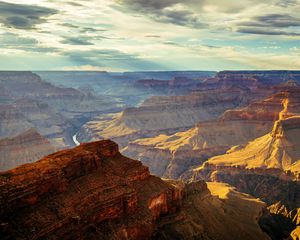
<point x="171" y="155"/>
<point x="93" y="192"/>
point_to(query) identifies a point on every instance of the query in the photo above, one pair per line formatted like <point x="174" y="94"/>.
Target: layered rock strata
<point x="93" y="192"/>
<point x="172" y="155"/>
<point x="26" y="147"/>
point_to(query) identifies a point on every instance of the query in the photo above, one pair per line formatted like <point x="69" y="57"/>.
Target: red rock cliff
<point x="89" y="192"/>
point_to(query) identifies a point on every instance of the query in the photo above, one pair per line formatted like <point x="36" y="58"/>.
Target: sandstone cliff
<point x="93" y="192"/>
<point x="171" y="155"/>
<point x="268" y="168"/>
<point x="278" y="149"/>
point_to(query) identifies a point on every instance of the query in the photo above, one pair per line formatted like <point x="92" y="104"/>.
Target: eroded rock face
<point x="280" y="223"/>
<point x="268" y="168"/>
<point x="50" y="109"/>
<point x="12" y="121"/>
<point x="93" y="192"/>
<point x="213" y="211"/>
<point x="277" y="149"/>
<point x="172" y="155"/>
<point x="166" y="115"/>
<point x="26" y="147"/>
<point x="89" y="192"/>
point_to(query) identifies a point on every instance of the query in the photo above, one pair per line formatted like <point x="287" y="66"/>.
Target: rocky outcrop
<point x="280" y="223"/>
<point x="274" y="156"/>
<point x="213" y="216"/>
<point x="172" y="155"/>
<point x="268" y="168"/>
<point x="26" y="147"/>
<point x="93" y="192"/>
<point x="89" y="192"/>
<point x="277" y="149"/>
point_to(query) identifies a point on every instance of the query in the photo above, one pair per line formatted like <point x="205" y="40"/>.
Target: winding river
<point x="77" y="143"/>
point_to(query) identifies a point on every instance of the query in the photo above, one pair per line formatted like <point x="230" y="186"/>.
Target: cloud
<point x="287" y="3"/>
<point x="149" y="5"/>
<point x="168" y="11"/>
<point x="77" y="41"/>
<point x="265" y="31"/>
<point x="23" y="16"/>
<point x="14" y="40"/>
<point x="274" y="20"/>
<point x="110" y="59"/>
<point x="270" y="24"/>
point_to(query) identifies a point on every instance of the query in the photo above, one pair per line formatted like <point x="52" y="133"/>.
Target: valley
<point x="211" y="146"/>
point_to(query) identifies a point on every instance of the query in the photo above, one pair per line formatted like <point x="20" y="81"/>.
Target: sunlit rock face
<point x="268" y="168"/>
<point x="167" y="115"/>
<point x="26" y="147"/>
<point x="276" y="150"/>
<point x="93" y="192"/>
<point x="172" y="155"/>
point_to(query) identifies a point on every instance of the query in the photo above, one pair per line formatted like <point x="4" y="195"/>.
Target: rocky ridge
<point x="93" y="192"/>
<point x="171" y="155"/>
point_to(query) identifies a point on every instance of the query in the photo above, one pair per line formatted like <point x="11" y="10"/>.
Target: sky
<point x="151" y="35"/>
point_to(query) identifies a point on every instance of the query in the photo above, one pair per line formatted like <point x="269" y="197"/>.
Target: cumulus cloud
<point x="23" y="16"/>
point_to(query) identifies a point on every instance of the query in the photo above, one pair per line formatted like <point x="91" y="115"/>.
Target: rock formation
<point x="212" y="216"/>
<point x="26" y="101"/>
<point x="268" y="168"/>
<point x="278" y="149"/>
<point x="93" y="192"/>
<point x="26" y="147"/>
<point x="167" y="114"/>
<point x="171" y="155"/>
<point x="281" y="223"/>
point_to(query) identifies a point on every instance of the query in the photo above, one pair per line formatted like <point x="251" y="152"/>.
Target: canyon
<point x="266" y="167"/>
<point x="57" y="111"/>
<point x="225" y="145"/>
<point x="93" y="192"/>
<point x="167" y="114"/>
<point x="171" y="155"/>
